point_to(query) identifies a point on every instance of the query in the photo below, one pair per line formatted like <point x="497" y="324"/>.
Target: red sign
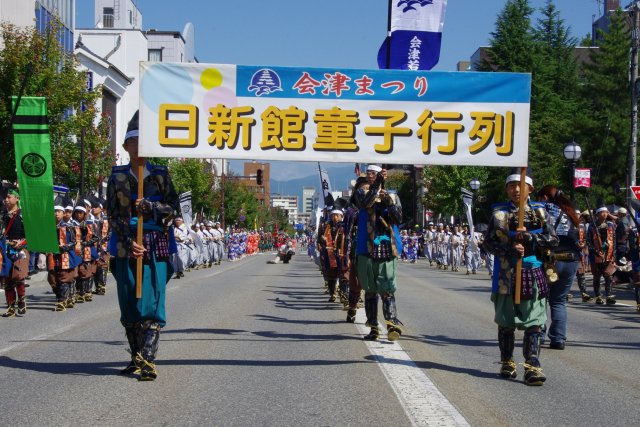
<point x="636" y="191"/>
<point x="582" y="178"/>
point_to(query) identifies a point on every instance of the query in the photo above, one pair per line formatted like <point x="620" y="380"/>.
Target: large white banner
<point x="334" y="115"/>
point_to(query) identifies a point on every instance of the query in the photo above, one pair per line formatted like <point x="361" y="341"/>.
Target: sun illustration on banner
<point x="211" y="78"/>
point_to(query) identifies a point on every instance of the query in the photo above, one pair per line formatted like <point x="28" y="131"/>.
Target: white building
<point x="288" y="203"/>
<point x="307" y="199"/>
<point x="111" y="53"/>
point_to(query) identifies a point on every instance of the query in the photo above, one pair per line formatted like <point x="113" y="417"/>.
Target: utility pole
<point x="633" y="144"/>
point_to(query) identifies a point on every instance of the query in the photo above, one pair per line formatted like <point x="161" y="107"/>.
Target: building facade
<point x="307" y="199"/>
<point x="288" y="203"/>
<point x="41" y="13"/>
<point x="111" y="53"/>
<point x="250" y="179"/>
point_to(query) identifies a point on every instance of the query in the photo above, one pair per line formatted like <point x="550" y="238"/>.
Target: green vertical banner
<point x="35" y="177"/>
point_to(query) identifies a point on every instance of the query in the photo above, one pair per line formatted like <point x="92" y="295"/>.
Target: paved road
<point x="251" y="344"/>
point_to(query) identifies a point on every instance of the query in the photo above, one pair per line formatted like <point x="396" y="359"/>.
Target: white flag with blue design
<point x="415" y="35"/>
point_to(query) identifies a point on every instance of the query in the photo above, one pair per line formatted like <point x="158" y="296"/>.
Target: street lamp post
<point x="572" y="153"/>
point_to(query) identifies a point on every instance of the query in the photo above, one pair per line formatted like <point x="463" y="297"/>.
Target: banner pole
<point x="523" y="198"/>
<point x="139" y="231"/>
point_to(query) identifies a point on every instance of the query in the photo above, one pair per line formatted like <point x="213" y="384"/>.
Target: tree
<point x="554" y="97"/>
<point x="546" y="52"/>
<point x="238" y="202"/>
<point x="193" y="175"/>
<point x="443" y="184"/>
<point x="47" y="70"/>
<point x="512" y="41"/>
<point x="604" y="125"/>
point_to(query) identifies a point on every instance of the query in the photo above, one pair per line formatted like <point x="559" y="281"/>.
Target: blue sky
<point x="327" y="33"/>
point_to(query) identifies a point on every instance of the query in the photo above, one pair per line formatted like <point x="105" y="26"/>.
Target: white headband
<point x="337" y="211"/>
<point x="58" y="208"/>
<point x="374" y="168"/>
<point x="602" y="209"/>
<point x="80" y="208"/>
<point x="132" y="134"/>
<point x="516" y="178"/>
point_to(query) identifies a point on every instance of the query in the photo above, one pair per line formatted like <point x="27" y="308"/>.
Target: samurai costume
<point x="531" y="313"/>
<point x="378" y="247"/>
<point x="142" y="318"/>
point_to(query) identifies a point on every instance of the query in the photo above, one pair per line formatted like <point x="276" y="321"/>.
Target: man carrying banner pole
<point x="518" y="232"/>
<point x="143" y="316"/>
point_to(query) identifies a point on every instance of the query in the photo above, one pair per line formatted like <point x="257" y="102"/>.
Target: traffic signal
<point x="259" y="177"/>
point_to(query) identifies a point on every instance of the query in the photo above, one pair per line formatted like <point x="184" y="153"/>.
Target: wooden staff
<point x="523" y="199"/>
<point x="139" y="231"/>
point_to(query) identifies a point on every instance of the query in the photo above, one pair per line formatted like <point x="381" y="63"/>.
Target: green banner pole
<point x="35" y="176"/>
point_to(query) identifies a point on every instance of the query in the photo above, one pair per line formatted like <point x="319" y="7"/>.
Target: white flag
<point x="185" y="208"/>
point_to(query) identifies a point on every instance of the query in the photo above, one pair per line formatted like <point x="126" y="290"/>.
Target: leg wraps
<point x="355" y="296"/>
<point x="371" y="308"/>
<point x="607" y="286"/>
<point x="582" y="283"/>
<point x="506" y="342"/>
<point x="596" y="282"/>
<point x="132" y="332"/>
<point x="10" y="293"/>
<point x="389" y="310"/>
<point x="61" y="291"/>
<point x="344" y="287"/>
<point x="332" y="286"/>
<point x="531" y="347"/>
<point x="148" y="339"/>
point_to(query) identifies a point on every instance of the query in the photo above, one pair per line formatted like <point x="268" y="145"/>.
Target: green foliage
<point x="193" y="175"/>
<point x="589" y="105"/>
<point x="443" y="184"/>
<point x="605" y="121"/>
<point x="554" y="97"/>
<point x="512" y="41"/>
<point x="48" y="71"/>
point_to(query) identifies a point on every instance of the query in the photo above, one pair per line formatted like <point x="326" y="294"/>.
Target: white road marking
<point x="42" y="337"/>
<point x="423" y="403"/>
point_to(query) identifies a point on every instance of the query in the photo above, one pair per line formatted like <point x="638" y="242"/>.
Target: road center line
<point x="423" y="403"/>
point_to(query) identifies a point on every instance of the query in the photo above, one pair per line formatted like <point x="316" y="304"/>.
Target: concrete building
<point x="288" y="203"/>
<point x="250" y="180"/>
<point x="111" y="53"/>
<point x="40" y="13"/>
<point x="307" y="199"/>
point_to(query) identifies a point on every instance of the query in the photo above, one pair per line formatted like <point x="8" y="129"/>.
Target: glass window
<point x="155" y="55"/>
<point x="107" y="17"/>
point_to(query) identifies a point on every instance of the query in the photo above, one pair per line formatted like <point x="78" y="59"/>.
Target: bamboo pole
<point x="523" y="198"/>
<point x="139" y="231"/>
